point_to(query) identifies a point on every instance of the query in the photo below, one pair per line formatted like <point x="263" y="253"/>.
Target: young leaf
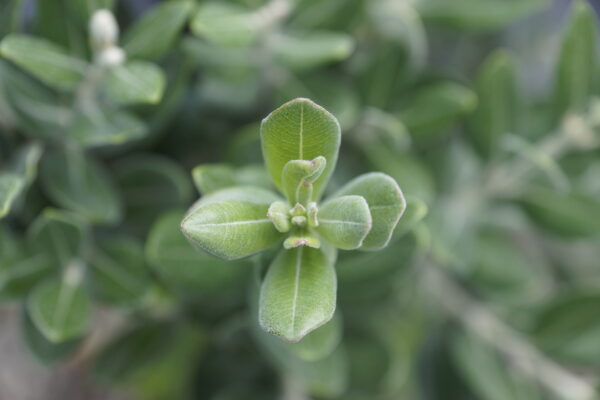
<point x="345" y="221"/>
<point x="498" y="107"/>
<point x="136" y="82"/>
<point x="47" y="61"/>
<point x="578" y="60"/>
<point x="184" y="267"/>
<point x="232" y="223"/>
<point x="298" y="177"/>
<point x="74" y="181"/>
<point x="298" y="293"/>
<point x="153" y="34"/>
<point x="300" y="130"/>
<point x="60" y="308"/>
<point x="386" y="205"/>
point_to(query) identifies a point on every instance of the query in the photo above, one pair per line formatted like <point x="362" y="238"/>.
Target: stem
<point x="518" y="350"/>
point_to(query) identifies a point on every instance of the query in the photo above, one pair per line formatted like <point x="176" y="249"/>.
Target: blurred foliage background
<point x="486" y="112"/>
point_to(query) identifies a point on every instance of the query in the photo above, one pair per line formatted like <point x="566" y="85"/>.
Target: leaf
<point x="184" y="267"/>
<point x="436" y="107"/>
<point x="232" y="223"/>
<point x="20" y="173"/>
<point x="306" y="51"/>
<point x="226" y="24"/>
<point x="345" y="221"/>
<point x="75" y="181"/>
<point x="569" y="214"/>
<point x="386" y="205"/>
<point x="578" y="60"/>
<point x="485" y="372"/>
<point x="150" y="185"/>
<point x="298" y="293"/>
<point x="153" y="35"/>
<point x="321" y="342"/>
<point x="569" y="328"/>
<point x="106" y="127"/>
<point x="119" y="270"/>
<point x="477" y="15"/>
<point x="48" y="62"/>
<point x="58" y="236"/>
<point x="300" y="130"/>
<point x="498" y="107"/>
<point x="60" y="308"/>
<point x="135" y="82"/>
<point x="43" y="349"/>
<point x="298" y="177"/>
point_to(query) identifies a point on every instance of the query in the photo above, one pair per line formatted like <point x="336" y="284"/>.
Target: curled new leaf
<point x="300" y="130"/>
<point x="386" y="205"/>
<point x="345" y="221"/>
<point x="232" y="223"/>
<point x="298" y="177"/>
<point x="298" y="293"/>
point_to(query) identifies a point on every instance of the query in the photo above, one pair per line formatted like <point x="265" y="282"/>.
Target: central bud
<point x="297" y="220"/>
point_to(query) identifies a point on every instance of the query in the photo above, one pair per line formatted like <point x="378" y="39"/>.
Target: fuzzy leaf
<point x="578" y="60"/>
<point x="298" y="177"/>
<point x="45" y="60"/>
<point x="321" y="342"/>
<point x="345" y="221"/>
<point x="298" y="294"/>
<point x="386" y="205"/>
<point x="136" y="82"/>
<point x="153" y="34"/>
<point x="59" y="309"/>
<point x="300" y="130"/>
<point x="232" y="223"/>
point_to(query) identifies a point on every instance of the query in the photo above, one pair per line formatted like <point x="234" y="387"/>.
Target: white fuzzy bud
<point x="104" y="31"/>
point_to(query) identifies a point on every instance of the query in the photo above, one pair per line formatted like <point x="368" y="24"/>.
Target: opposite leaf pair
<point x="300" y="146"/>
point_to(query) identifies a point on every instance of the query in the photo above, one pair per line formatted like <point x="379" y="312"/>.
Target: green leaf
<point x="321" y="342"/>
<point x="119" y="270"/>
<point x="20" y="173"/>
<point x="10" y="186"/>
<point x="306" y="51"/>
<point x="43" y="349"/>
<point x="47" y="61"/>
<point x="298" y="293"/>
<point x="106" y="127"/>
<point x="498" y="107"/>
<point x="345" y="221"/>
<point x="151" y="185"/>
<point x="477" y="15"/>
<point x="578" y="60"/>
<point x="386" y="205"/>
<point x="60" y="308"/>
<point x="300" y="130"/>
<point x="570" y="214"/>
<point x="153" y="35"/>
<point x="436" y="107"/>
<point x="75" y="181"/>
<point x="184" y="267"/>
<point x="58" y="236"/>
<point x="569" y="328"/>
<point x="226" y="24"/>
<point x="135" y="82"/>
<point x="209" y="178"/>
<point x="298" y="177"/>
<point x="232" y="223"/>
